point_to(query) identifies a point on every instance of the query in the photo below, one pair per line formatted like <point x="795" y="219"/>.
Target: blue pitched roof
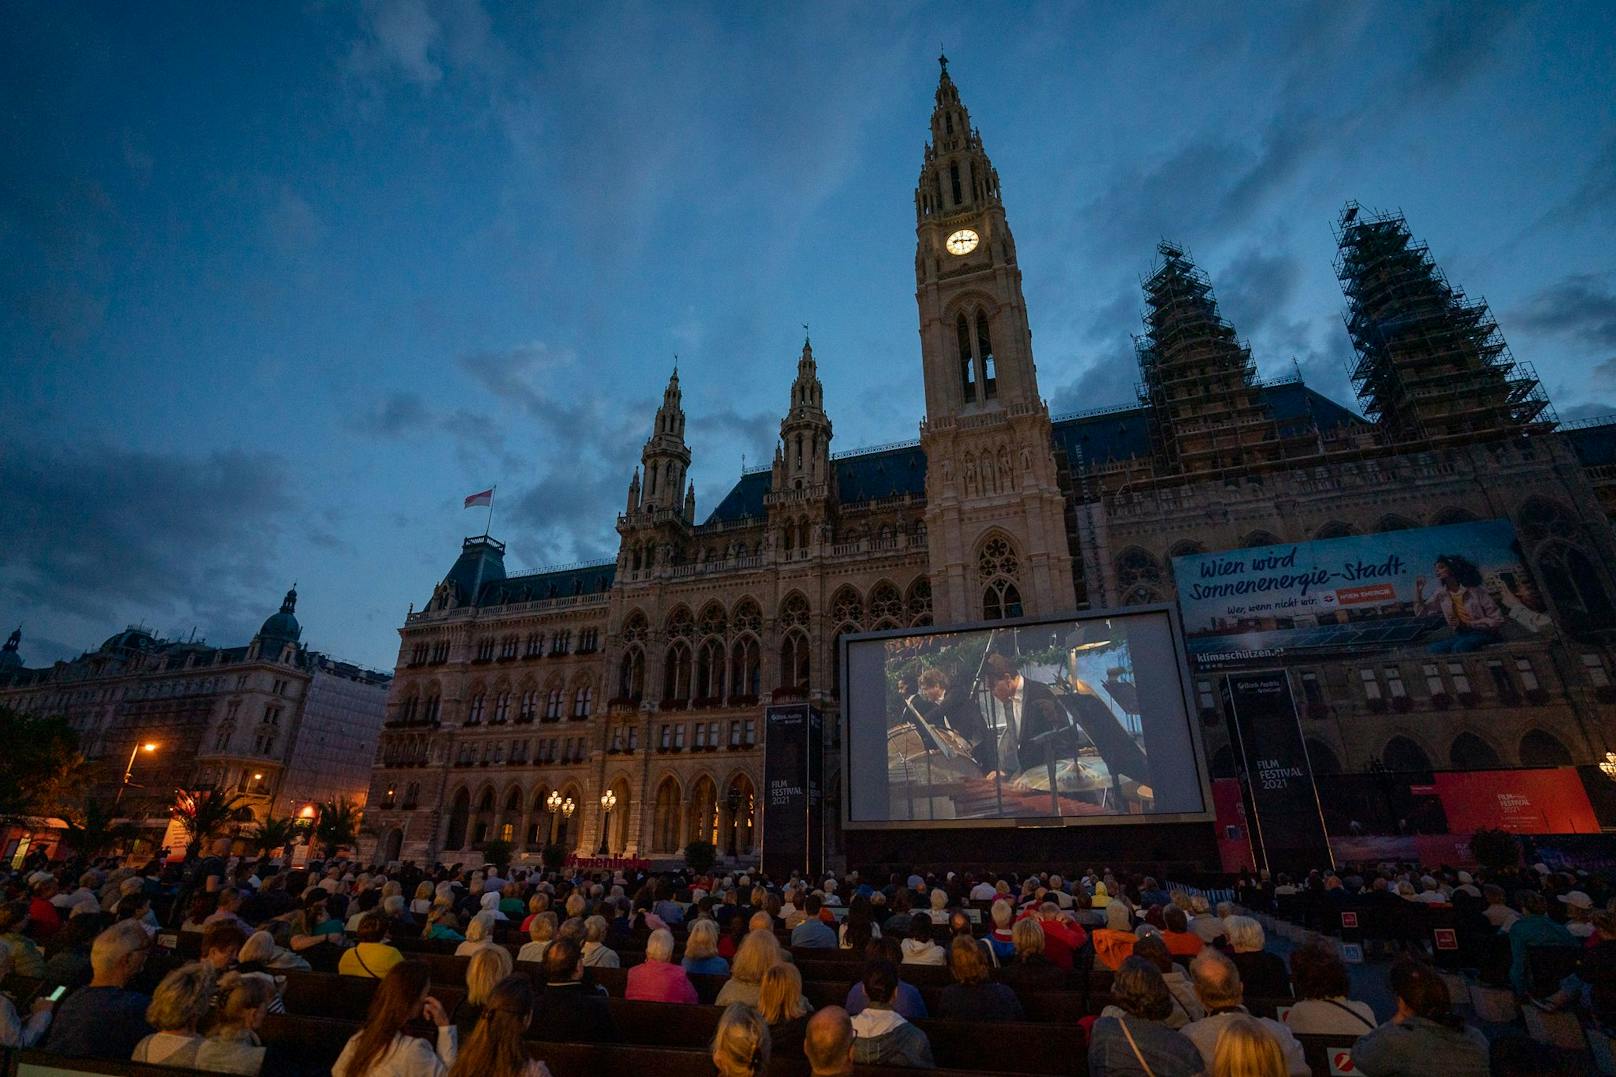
<point x="1111" y="434"/>
<point x="537" y="586"/>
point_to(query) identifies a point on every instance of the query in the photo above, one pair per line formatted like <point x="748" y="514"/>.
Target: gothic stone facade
<point x="647" y="676"/>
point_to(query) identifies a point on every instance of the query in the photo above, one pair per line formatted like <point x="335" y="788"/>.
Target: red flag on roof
<point x="484" y="498"/>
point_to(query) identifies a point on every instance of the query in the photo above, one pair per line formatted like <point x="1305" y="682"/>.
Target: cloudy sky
<point x="281" y="283"/>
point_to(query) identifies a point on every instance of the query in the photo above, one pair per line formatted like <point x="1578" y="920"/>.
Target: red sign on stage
<point x="1349" y="919"/>
<point x="1445" y="938"/>
<point x="1547" y="801"/>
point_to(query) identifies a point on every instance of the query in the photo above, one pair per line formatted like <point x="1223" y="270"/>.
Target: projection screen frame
<point x="1181" y="668"/>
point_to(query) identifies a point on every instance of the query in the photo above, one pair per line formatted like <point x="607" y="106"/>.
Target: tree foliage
<point x="204" y="814"/>
<point x="700" y="856"/>
<point x="41" y="770"/>
<point x="272" y="833"/>
<point x="337" y="825"/>
<point x="497" y="852"/>
<point x="90" y="829"/>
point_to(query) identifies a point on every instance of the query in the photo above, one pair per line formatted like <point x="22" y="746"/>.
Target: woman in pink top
<point x="657" y="978"/>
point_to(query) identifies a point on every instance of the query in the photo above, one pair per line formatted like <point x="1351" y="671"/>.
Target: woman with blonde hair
<point x="484" y="971"/>
<point x="177" y="1007"/>
<point x="741" y="1046"/>
<point x="233" y="1045"/>
<point x="496" y="1046"/>
<point x="758" y="953"/>
<point x="541" y="928"/>
<point x="783" y="1007"/>
<point x="537" y="905"/>
<point x="421" y="904"/>
<point x="701" y="950"/>
<point x="442" y="923"/>
<point x="479" y="935"/>
<point x="1246" y="1049"/>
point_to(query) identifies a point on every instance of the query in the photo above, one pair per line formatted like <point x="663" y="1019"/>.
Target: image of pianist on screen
<point x="1006" y="743"/>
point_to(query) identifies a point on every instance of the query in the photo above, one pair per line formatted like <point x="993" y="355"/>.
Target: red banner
<point x="1234" y="841"/>
<point x="1547" y="801"/>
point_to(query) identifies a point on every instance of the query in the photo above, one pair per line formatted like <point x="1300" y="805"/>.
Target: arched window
<point x="583" y="701"/>
<point x="1138" y="576"/>
<point x="1402" y="755"/>
<point x="794" y="660"/>
<point x="846" y="605"/>
<point x="747" y="617"/>
<point x="794" y="612"/>
<point x="1470" y="752"/>
<point x="954" y="179"/>
<point x="1542" y="749"/>
<point x="1573" y="584"/>
<point x="459" y="811"/>
<point x="745" y="670"/>
<point x="1333" y="529"/>
<point x="1259" y="538"/>
<point x="1393" y="522"/>
<point x="739" y="816"/>
<point x="665" y="818"/>
<point x="680" y="624"/>
<point x="710" y="669"/>
<point x="631" y="675"/>
<point x="967" y="361"/>
<point x="676" y="674"/>
<point x="886" y="606"/>
<point x="984" y="347"/>
<point x="1322" y="757"/>
<point x="702" y="816"/>
<point x="918" y="603"/>
<point x="712" y="620"/>
<point x="998" y="570"/>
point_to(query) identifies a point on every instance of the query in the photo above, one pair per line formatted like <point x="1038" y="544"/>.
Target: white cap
<point x="1577" y="900"/>
<point x="1541" y="868"/>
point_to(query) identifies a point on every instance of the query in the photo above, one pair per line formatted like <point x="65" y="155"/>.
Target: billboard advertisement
<point x="1290" y="823"/>
<point x="1451" y="589"/>
<point x="1068" y="720"/>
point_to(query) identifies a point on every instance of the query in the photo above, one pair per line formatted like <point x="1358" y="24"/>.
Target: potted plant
<point x="553" y="856"/>
<point x="497" y="853"/>
<point x="700" y="856"/>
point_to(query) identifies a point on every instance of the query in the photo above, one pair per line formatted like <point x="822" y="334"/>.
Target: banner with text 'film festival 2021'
<point x="1450" y="589"/>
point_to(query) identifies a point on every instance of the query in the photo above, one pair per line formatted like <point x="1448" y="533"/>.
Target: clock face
<point x="962" y="242"/>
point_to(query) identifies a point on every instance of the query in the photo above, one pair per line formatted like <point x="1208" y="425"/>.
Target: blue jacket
<point x="1533" y="931"/>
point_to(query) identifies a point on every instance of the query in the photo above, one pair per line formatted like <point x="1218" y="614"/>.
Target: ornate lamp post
<point x="608" y="801"/>
<point x="552" y="804"/>
<point x="733" y="802"/>
<point x="129" y="768"/>
<point x="567" y="808"/>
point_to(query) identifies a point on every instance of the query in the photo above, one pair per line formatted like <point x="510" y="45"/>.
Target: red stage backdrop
<point x="1548" y="801"/>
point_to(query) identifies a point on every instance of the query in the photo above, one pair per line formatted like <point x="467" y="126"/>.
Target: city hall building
<point x="519" y="702"/>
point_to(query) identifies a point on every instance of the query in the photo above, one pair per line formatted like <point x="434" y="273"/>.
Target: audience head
<point x="1002" y="914"/>
<point x="481" y="927"/>
<point x="1174" y="919"/>
<point x="1138" y="987"/>
<point x="1028" y="937"/>
<point x="542" y="928"/>
<point x="260" y="946"/>
<point x="595" y="929"/>
<point x="397" y="999"/>
<point x="221" y="944"/>
<point x="181" y="999"/>
<point x="563" y="959"/>
<point x="1217" y="981"/>
<point x="741" y="1044"/>
<point x="966" y="962"/>
<point x="1246" y="1049"/>
<point x="880" y="983"/>
<point x="920" y="928"/>
<point x="760" y="921"/>
<point x="1118" y="917"/>
<point x="780" y="997"/>
<point x="828" y="1043"/>
<point x="487" y="968"/>
<point x="119" y="953"/>
<point x="757" y="954"/>
<point x="246" y="1003"/>
<point x="1245" y="934"/>
<point x="1531" y="903"/>
<point x="659" y="947"/>
<point x="1421" y="992"/>
<point x="372" y="928"/>
<point x="1153" y="948"/>
<point x="702" y="940"/>
<point x="495" y="1047"/>
<point x="1318" y="973"/>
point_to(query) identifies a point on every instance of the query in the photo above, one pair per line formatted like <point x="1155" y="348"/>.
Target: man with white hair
<point x="1429" y="893"/>
<point x="983" y="890"/>
<point x="106" y="1019"/>
<point x="830" y="893"/>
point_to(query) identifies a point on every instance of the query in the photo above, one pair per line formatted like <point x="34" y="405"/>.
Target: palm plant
<point x="336" y="825"/>
<point x="91" y="829"/>
<point x="273" y="833"/>
<point x="205" y="813"/>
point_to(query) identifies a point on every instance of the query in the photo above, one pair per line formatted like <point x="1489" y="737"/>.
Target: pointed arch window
<point x="794" y="661"/>
<point x="676" y="679"/>
<point x="967" y="361"/>
<point x="710" y="670"/>
<point x="998" y="572"/>
<point x="984" y="347"/>
<point x="745" y="668"/>
<point x="631" y="675"/>
<point x="954" y="180"/>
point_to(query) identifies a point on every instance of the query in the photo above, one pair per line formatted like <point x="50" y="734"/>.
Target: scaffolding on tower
<point x="1431" y="362"/>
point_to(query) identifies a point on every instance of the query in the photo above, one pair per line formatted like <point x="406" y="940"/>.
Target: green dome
<point x="283" y="627"/>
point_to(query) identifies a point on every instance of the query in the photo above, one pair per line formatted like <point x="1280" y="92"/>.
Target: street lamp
<point x="733" y="801"/>
<point x="552" y="804"/>
<point x="608" y="801"/>
<point x="567" y="808"/>
<point x="129" y="768"/>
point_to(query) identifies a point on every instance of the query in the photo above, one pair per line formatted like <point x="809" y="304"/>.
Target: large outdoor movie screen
<point x="1069" y="720"/>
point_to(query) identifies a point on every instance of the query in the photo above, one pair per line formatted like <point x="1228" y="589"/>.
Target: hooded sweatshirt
<point x="885" y="1038"/>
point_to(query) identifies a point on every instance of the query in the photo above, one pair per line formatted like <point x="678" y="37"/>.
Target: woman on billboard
<point x="1465" y="604"/>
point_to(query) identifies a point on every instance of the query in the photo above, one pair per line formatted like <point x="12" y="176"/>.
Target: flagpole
<point x="490" y="524"/>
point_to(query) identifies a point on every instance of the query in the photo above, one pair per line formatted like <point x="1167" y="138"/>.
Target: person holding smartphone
<point x="14" y="1032"/>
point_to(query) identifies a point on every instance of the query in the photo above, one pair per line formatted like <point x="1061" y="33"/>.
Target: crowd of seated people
<point x="1182" y="967"/>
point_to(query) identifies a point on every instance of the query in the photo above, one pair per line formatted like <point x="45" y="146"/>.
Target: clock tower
<point x="995" y="515"/>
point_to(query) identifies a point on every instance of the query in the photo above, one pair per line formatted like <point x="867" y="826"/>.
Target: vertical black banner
<point x="1289" y="826"/>
<point x="793" y="774"/>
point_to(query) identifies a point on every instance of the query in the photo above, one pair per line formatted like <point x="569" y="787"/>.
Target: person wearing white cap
<point x="1578" y="905"/>
<point x="1467" y="883"/>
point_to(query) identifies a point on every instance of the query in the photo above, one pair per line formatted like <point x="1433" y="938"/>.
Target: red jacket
<point x="43" y="918"/>
<point x="659" y="981"/>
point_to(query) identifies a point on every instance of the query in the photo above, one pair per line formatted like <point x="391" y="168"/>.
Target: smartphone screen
<point x="56" y="995"/>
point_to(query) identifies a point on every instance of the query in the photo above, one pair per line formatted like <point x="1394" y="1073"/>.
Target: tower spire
<point x="666" y="458"/>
